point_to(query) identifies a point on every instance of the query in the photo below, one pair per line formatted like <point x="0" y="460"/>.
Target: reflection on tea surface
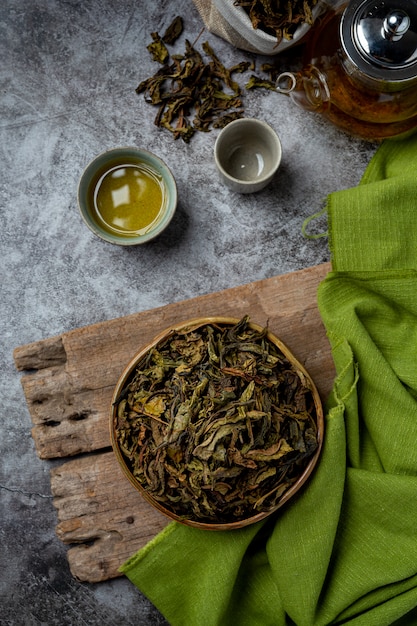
<point x="128" y="199"/>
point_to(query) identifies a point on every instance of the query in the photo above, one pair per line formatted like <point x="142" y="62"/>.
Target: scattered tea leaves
<point x="265" y="82"/>
<point x="216" y="423"/>
<point x="191" y="92"/>
<point x="195" y="92"/>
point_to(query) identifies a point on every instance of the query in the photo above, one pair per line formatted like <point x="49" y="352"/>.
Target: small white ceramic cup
<point x="247" y="153"/>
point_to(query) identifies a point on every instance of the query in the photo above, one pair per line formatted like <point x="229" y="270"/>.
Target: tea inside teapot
<point x="360" y="69"/>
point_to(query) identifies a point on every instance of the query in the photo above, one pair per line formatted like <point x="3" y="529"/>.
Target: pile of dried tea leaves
<point x="192" y="93"/>
<point x="216" y="423"/>
<point x="279" y="17"/>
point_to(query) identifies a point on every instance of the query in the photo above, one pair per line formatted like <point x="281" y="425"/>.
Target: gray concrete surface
<point x="68" y="75"/>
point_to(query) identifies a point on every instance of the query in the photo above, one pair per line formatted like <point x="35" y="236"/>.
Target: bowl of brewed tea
<point x="216" y="423"/>
<point x="127" y="196"/>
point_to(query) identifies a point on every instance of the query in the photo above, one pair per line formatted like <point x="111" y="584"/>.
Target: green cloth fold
<point x="344" y="551"/>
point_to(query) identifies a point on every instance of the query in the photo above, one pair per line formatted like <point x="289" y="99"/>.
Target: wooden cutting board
<point x="68" y="386"/>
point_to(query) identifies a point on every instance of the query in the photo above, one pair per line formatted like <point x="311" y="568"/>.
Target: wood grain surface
<point x="68" y="383"/>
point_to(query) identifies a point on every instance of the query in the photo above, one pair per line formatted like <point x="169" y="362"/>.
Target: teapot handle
<point x="308" y="88"/>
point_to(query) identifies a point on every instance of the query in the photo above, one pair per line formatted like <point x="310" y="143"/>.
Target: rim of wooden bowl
<point x="190" y="325"/>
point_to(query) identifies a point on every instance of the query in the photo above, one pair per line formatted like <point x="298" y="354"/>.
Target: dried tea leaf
<point x="255" y="82"/>
<point x="215" y="422"/>
<point x="173" y="31"/>
<point x="227" y="118"/>
<point x="219" y="70"/>
<point x="158" y="49"/>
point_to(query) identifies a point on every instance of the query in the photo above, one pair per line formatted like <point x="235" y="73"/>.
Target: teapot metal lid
<point x="379" y="39"/>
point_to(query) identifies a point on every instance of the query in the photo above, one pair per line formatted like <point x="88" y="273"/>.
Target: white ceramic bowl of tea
<point x="127" y="196"/>
<point x="248" y="154"/>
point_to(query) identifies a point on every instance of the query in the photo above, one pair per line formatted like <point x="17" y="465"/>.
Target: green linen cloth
<point x="344" y="551"/>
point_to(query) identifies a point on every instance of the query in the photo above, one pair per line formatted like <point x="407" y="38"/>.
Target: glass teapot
<point x="361" y="68"/>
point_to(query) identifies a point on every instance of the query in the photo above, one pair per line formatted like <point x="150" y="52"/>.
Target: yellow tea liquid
<point x="128" y="199"/>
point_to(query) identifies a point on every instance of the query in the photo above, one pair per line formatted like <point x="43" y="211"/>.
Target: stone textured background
<point x="68" y="76"/>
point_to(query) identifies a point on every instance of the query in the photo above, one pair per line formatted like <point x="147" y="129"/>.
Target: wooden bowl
<point x="157" y="450"/>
